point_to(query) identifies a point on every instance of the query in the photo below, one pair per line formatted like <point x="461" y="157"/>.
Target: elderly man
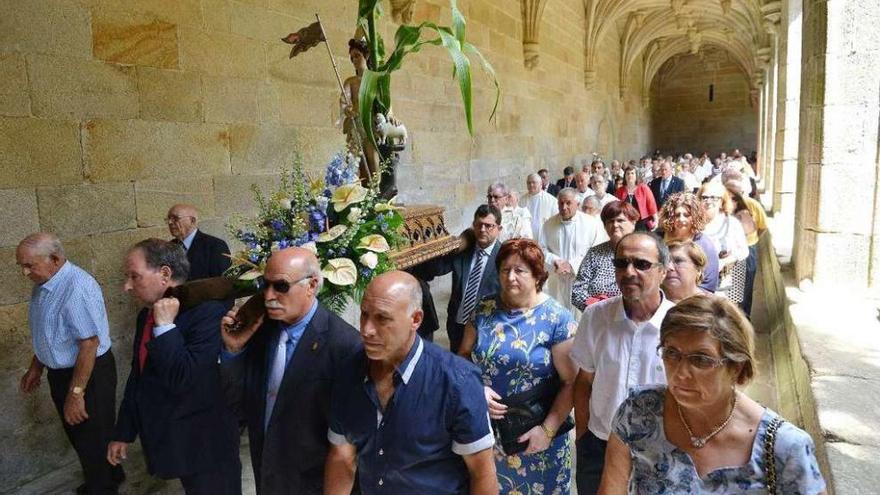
<point x="173" y="398"/>
<point x="666" y="185"/>
<point x="565" y="239"/>
<point x="582" y="181"/>
<point x="540" y="203"/>
<point x="616" y="348"/>
<point x="599" y="185"/>
<point x="71" y="337"/>
<point x="517" y="221"/>
<point x="278" y="374"/>
<point x="407" y="415"/>
<point x="207" y="255"/>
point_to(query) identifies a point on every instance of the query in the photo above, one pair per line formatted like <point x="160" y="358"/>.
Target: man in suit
<point x="207" y="255"/>
<point x="546" y="185"/>
<point x="568" y="180"/>
<point x="278" y="374"/>
<point x="665" y="185"/>
<point x="173" y="398"/>
<point x="474" y="276"/>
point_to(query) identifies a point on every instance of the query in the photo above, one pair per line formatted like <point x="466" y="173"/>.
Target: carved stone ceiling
<point x="654" y="31"/>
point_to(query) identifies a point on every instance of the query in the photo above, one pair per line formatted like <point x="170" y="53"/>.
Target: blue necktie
<point x="276" y="374"/>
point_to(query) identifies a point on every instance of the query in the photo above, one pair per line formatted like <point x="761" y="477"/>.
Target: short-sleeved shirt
<point x="621" y="353"/>
<point x="65" y="309"/>
<point x="658" y="466"/>
<point x="436" y="414"/>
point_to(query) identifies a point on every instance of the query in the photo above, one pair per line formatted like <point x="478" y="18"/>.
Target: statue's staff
<point x="309" y="37"/>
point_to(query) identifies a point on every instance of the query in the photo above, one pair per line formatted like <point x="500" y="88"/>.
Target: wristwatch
<point x="551" y="433"/>
<point x="77" y="390"/>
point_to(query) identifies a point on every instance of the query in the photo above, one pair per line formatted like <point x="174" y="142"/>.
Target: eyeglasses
<point x="485" y="226"/>
<point x="175" y="218"/>
<point x="279" y="286"/>
<point x="490" y="197"/>
<point x="696" y="360"/>
<point x="639" y="264"/>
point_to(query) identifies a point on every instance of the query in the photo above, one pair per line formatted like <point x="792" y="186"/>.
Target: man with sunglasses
<point x="279" y="371"/>
<point x="615" y="348"/>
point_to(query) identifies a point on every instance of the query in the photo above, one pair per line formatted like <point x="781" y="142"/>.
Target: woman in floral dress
<point x="521" y="340"/>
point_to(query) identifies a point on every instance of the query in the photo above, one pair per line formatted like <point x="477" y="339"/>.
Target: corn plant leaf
<point x="366" y="97"/>
<point x="470" y="49"/>
<point x="458" y="22"/>
<point x="366" y="7"/>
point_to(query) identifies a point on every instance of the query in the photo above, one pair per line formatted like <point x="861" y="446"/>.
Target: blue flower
<point x="277" y="225"/>
<point x="365" y="272"/>
<point x="254" y="257"/>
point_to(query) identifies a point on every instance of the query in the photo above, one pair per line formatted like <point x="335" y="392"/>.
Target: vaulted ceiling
<point x="654" y="31"/>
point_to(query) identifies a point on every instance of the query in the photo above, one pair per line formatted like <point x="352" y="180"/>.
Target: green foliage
<point x="375" y="91"/>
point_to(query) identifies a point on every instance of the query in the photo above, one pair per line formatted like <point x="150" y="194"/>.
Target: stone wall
<point x="111" y="110"/>
<point x="684" y="119"/>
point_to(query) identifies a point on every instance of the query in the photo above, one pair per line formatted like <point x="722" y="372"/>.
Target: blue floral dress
<point x="658" y="467"/>
<point x="513" y="351"/>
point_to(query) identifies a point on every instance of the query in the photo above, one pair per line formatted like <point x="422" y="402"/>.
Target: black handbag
<point x="525" y="411"/>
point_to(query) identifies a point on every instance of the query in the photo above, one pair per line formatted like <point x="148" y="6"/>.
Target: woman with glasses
<point x="729" y="237"/>
<point x="595" y="277"/>
<point x="682" y="218"/>
<point x="698" y="434"/>
<point x="521" y="342"/>
<point x="685" y="272"/>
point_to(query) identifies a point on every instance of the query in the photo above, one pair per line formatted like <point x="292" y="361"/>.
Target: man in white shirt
<point x="615" y="348"/>
<point x="599" y="185"/>
<point x="540" y="203"/>
<point x="582" y="181"/>
<point x="565" y="240"/>
<point x="516" y="222"/>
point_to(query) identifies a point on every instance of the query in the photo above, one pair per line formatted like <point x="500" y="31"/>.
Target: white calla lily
<point x="347" y="195"/>
<point x="333" y="233"/>
<point x="340" y="271"/>
<point x="375" y="243"/>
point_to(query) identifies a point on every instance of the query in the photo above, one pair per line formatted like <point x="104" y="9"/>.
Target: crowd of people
<point x="604" y="315"/>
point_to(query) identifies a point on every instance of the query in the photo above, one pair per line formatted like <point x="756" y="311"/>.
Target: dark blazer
<point x="460" y="266"/>
<point x="560" y="184"/>
<point x="676" y="185"/>
<point x="288" y="458"/>
<point x="552" y="189"/>
<point x="176" y="405"/>
<point x="207" y="256"/>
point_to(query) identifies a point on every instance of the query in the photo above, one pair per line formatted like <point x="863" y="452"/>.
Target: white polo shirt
<point x="621" y="353"/>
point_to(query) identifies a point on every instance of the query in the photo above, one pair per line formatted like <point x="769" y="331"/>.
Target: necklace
<point x="700" y="442"/>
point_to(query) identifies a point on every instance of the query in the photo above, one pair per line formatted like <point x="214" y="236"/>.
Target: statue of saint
<point x="356" y="137"/>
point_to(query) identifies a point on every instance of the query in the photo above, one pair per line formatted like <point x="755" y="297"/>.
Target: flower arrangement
<point x="348" y="226"/>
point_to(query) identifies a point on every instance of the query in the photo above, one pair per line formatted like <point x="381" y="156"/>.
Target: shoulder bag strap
<point x="769" y="454"/>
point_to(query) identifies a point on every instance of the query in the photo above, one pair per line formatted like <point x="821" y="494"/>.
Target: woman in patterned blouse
<point x="595" y="277"/>
<point x="698" y="434"/>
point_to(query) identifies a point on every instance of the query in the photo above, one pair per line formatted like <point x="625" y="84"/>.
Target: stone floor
<point x="64" y="480"/>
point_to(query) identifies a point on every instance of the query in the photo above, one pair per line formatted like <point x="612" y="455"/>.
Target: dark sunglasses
<point x="279" y="286"/>
<point x="639" y="264"/>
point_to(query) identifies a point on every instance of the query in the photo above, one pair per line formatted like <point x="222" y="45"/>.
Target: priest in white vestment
<point x="565" y="239"/>
<point x="515" y="221"/>
<point x="540" y="203"/>
<point x="582" y="179"/>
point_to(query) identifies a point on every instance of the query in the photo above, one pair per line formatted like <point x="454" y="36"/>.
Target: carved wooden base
<point x="426" y="236"/>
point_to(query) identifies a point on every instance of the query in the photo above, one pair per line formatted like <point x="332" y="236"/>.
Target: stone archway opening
<point x="702" y="102"/>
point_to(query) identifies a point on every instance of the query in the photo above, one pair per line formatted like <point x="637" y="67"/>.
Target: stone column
<point x="788" y="111"/>
<point x="836" y="224"/>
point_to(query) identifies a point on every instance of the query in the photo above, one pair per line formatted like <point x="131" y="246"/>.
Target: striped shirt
<point x="67" y="308"/>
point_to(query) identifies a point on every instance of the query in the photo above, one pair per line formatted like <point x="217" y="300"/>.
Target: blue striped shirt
<point x="67" y="308"/>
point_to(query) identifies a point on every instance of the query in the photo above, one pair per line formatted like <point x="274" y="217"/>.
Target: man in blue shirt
<point x="409" y="416"/>
<point x="71" y="337"/>
<point x="278" y="374"/>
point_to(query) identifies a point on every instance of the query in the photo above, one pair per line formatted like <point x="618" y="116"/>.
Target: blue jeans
<point x="590" y="462"/>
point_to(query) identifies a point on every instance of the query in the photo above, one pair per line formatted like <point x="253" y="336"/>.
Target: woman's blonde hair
<point x="694" y="252"/>
<point x="724" y="322"/>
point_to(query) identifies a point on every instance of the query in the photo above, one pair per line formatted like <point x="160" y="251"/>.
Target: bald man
<point x="279" y="372"/>
<point x="207" y="255"/>
<point x="433" y="433"/>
